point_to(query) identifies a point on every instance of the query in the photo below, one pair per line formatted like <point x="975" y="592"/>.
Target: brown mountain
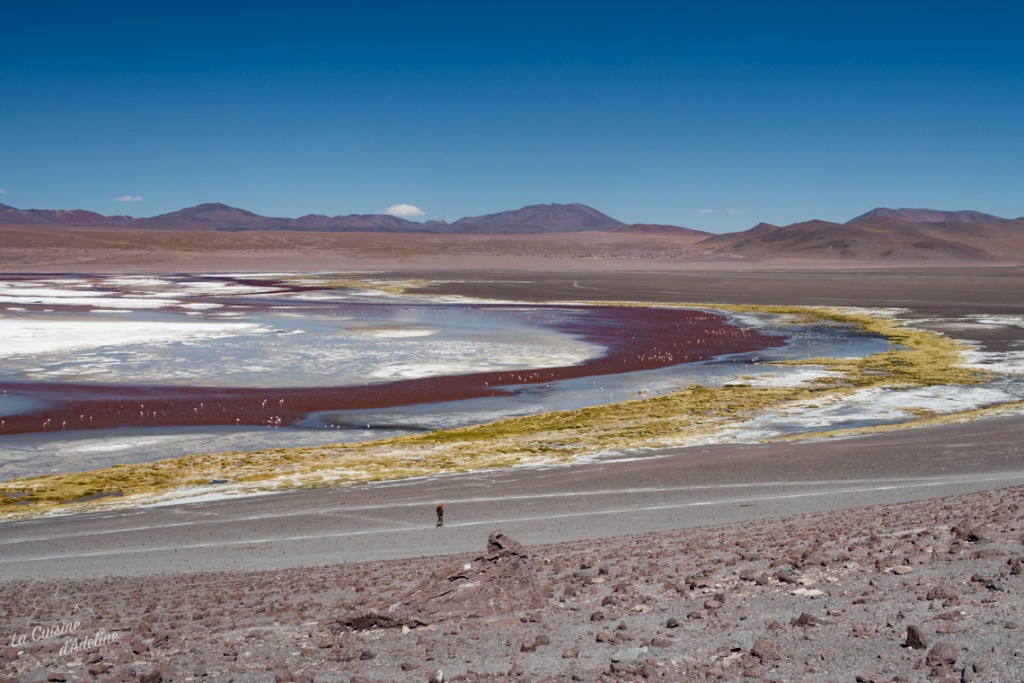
<point x="715" y="242"/>
<point x="537" y="218"/>
<point x="75" y="217"/>
<point x="656" y="229"/>
<point x="923" y="216"/>
<point x="881" y="238"/>
<point x="213" y="216"/>
<point x="370" y="222"/>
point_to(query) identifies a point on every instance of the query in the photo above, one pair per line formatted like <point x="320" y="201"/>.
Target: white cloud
<point x="3" y="191"/>
<point x="706" y="211"/>
<point x="404" y="210"/>
<point x="128" y="198"/>
<point x="733" y="212"/>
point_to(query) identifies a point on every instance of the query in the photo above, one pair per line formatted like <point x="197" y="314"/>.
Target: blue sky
<point x="709" y="115"/>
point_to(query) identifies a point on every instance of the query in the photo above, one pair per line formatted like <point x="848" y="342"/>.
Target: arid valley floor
<point x="893" y="556"/>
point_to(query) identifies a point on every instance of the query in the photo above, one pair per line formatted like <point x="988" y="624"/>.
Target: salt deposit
<point x="334" y="350"/>
<point x="32" y="337"/>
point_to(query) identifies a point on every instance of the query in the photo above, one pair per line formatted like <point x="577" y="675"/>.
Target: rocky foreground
<point x="911" y="592"/>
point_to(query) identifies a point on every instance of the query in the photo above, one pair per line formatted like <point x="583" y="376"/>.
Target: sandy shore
<point x="944" y="566"/>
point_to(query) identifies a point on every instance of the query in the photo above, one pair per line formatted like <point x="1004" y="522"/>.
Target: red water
<point x="634" y="339"/>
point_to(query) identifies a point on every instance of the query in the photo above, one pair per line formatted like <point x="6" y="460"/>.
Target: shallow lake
<point x="240" y="332"/>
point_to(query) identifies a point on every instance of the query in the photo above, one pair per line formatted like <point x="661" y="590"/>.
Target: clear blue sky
<point x="709" y="115"/>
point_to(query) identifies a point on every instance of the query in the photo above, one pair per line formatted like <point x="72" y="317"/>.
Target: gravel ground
<point x="930" y="590"/>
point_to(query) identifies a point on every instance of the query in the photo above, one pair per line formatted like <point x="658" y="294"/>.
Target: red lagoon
<point x="635" y="338"/>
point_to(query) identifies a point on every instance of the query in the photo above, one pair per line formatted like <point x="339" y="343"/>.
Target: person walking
<point x="440" y="514"/>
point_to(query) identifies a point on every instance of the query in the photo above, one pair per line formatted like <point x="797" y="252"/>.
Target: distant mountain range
<point x="879" y="234"/>
<point x="529" y="219"/>
<point x="886" y="234"/>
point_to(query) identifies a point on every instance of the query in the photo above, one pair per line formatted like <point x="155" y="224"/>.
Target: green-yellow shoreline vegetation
<point x="915" y="358"/>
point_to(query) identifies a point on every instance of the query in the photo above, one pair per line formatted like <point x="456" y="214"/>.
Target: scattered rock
<point x="981" y="533"/>
<point x="941" y="593"/>
<point x="888" y="562"/>
<point x="500" y="582"/>
<point x="373" y="620"/>
<point x="915" y="641"/>
<point x="99" y="668"/>
<point x="942" y="654"/>
<point x="987" y="581"/>
<point x="701" y="580"/>
<point x="784" y="576"/>
<point x="963" y="530"/>
<point x="805" y="619"/>
<point x="138" y="647"/>
<point x="764" y="650"/>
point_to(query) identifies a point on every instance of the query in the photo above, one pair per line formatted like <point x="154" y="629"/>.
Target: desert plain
<point x="888" y="556"/>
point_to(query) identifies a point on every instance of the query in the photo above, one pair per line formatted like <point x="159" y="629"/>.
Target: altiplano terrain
<point x="886" y="557"/>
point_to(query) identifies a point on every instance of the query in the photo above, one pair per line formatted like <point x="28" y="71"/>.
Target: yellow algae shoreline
<point x="916" y="358"/>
